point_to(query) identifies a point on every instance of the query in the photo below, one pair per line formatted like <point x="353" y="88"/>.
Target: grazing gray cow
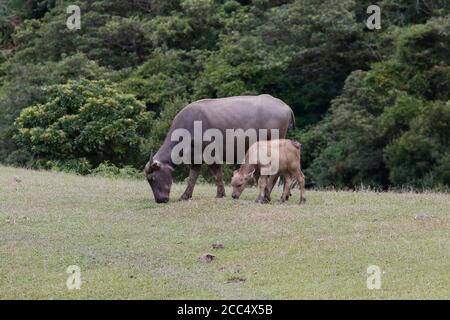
<point x="240" y="112"/>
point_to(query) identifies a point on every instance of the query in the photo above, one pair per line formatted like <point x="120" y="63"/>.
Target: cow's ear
<point x="156" y="165"/>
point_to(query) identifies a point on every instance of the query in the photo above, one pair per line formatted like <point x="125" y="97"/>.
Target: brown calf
<point x="269" y="158"/>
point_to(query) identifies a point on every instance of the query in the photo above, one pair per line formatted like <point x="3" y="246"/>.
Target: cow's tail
<point x="292" y="122"/>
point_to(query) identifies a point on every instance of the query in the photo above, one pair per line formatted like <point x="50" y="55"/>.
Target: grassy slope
<point x="129" y="247"/>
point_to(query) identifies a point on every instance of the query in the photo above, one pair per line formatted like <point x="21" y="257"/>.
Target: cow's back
<point x="240" y="112"/>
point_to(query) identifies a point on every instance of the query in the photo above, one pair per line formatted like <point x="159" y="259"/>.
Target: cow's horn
<point x="156" y="164"/>
<point x="147" y="168"/>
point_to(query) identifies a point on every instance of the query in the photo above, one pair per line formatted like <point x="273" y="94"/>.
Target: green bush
<point x="109" y="170"/>
<point x="419" y="156"/>
<point x="85" y="119"/>
<point x="79" y="166"/>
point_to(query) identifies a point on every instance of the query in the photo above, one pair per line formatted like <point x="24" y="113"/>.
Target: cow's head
<point x="239" y="182"/>
<point x="159" y="176"/>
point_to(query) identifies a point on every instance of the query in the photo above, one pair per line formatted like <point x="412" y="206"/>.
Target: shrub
<point x="85" y="119"/>
<point x="107" y="169"/>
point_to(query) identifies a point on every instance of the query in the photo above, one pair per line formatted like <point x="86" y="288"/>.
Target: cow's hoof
<point x="184" y="198"/>
<point x="220" y="195"/>
<point x="302" y="200"/>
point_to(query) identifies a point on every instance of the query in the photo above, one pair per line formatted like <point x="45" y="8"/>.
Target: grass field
<point x="127" y="246"/>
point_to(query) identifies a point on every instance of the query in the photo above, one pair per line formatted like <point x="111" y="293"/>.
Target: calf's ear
<point x="249" y="175"/>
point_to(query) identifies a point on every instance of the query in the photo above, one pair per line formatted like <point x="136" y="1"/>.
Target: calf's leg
<point x="301" y="181"/>
<point x="217" y="173"/>
<point x="271" y="183"/>
<point x="287" y="188"/>
<point x="193" y="175"/>
<point x="262" y="198"/>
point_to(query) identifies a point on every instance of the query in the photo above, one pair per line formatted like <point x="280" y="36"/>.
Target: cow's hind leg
<point x="301" y="181"/>
<point x="216" y="170"/>
<point x="193" y="175"/>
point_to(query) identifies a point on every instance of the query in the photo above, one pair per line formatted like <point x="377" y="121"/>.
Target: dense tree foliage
<point x="371" y="106"/>
<point x="390" y="125"/>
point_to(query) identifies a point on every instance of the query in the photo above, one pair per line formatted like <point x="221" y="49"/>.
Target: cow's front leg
<point x="193" y="175"/>
<point x="217" y="173"/>
<point x="263" y="197"/>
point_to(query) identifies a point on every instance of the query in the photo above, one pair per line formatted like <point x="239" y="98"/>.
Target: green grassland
<point x="129" y="247"/>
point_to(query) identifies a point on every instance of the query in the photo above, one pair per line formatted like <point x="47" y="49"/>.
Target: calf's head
<point x="159" y="176"/>
<point x="239" y="182"/>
